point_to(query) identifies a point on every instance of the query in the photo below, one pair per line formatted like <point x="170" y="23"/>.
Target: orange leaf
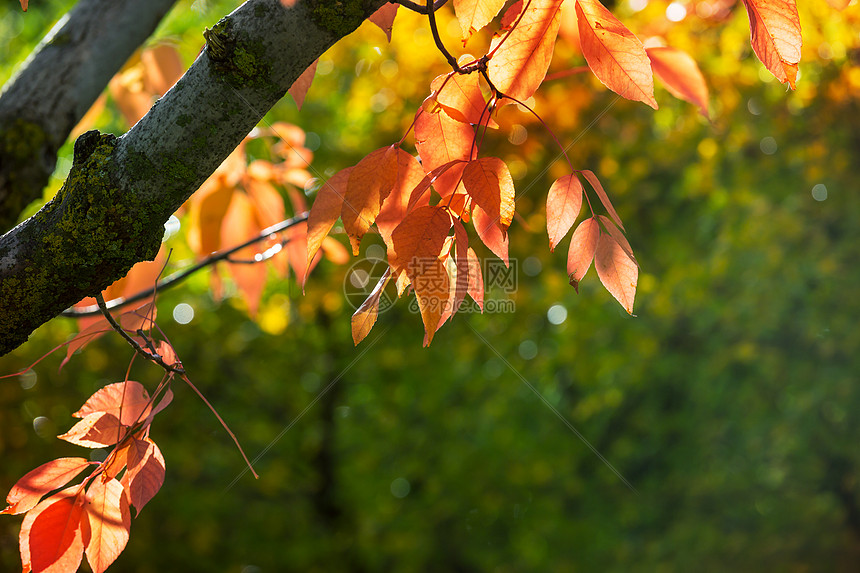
<point x="145" y="474"/>
<point x="297" y="249"/>
<point x="618" y="273"/>
<point x="421" y="194"/>
<point x="476" y="279"/>
<point x="440" y="140"/>
<point x="775" y="36"/>
<point x="96" y="430"/>
<point x="475" y="14"/>
<point x="268" y="203"/>
<point x="408" y="176"/>
<point x="521" y="58"/>
<point x="461" y="266"/>
<point x="384" y="18"/>
<point x="563" y="203"/>
<point x="490" y="185"/>
<point x="128" y="401"/>
<point x="208" y="208"/>
<point x="326" y="210"/>
<point x="581" y="252"/>
<point x="418" y="240"/>
<point x="461" y="98"/>
<point x="839" y="4"/>
<point x="300" y="87"/>
<point x="116" y="461"/>
<point x="614" y="54"/>
<point x="370" y="182"/>
<point x="241" y="224"/>
<point x="490" y="234"/>
<point x="365" y="316"/>
<point x="27" y="492"/>
<point x="53" y="534"/>
<point x="110" y="521"/>
<point x="681" y="76"/>
<point x="604" y="198"/>
<point x="24" y="4"/>
<point x="430" y="281"/>
<point x="619" y="237"/>
<point x="162" y="68"/>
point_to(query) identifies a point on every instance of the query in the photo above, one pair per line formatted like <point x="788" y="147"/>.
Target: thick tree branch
<point x="111" y="210"/>
<point x="57" y="85"/>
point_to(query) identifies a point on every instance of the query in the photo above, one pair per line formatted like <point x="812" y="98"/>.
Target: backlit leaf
<point x="365" y="316"/>
<point x="370" y="182"/>
<point x="53" y="534"/>
<point x="384" y="18"/>
<point x="326" y="210"/>
<point x="128" y="401"/>
<point x="240" y="224"/>
<point x="614" y="53"/>
<point x="302" y="84"/>
<point x="604" y="198"/>
<point x="145" y="474"/>
<point x="491" y="186"/>
<point x="96" y="430"/>
<point x="619" y="237"/>
<point x="27" y="492"/>
<point x="618" y="273"/>
<point x="431" y="284"/>
<point x="563" y="203"/>
<point x="520" y="63"/>
<point x="581" y="252"/>
<point x="461" y="98"/>
<point x="110" y="520"/>
<point x="408" y="175"/>
<point x="440" y="140"/>
<point x="681" y="75"/>
<point x="475" y="14"/>
<point x="775" y="36"/>
<point x="490" y="234"/>
<point x="418" y="240"/>
<point x="476" y="279"/>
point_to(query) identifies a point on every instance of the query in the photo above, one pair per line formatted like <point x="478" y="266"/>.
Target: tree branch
<point x="59" y="82"/>
<point x="418" y="7"/>
<point x="111" y="210"/>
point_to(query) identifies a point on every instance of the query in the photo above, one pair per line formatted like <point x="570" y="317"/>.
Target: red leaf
<point x="421" y="194"/>
<point x="618" y="273"/>
<point x="440" y="140"/>
<point x="430" y="281"/>
<point x="475" y="14"/>
<point x="462" y="99"/>
<point x="490" y="185"/>
<point x="384" y="18"/>
<point x="303" y="83"/>
<point x="614" y="54"/>
<point x="145" y="474"/>
<point x="96" y="430"/>
<point x="563" y="203"/>
<point x="370" y="182"/>
<point x="581" y="253"/>
<point x="53" y="534"/>
<point x="619" y="237"/>
<point x="419" y="239"/>
<point x="776" y="37"/>
<point x="476" y="279"/>
<point x="128" y="401"/>
<point x="408" y="175"/>
<point x="604" y="198"/>
<point x="520" y="63"/>
<point x="490" y="234"/>
<point x="27" y="492"/>
<point x="461" y="266"/>
<point x="326" y="210"/>
<point x="365" y="316"/>
<point x="24" y="4"/>
<point x="110" y="521"/>
<point x="241" y="224"/>
<point x="681" y="76"/>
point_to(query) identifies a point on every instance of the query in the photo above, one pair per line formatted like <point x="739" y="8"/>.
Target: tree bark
<point x="56" y="86"/>
<point x="111" y="210"/>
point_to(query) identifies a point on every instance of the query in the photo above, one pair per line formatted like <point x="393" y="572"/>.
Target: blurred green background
<point x="729" y="402"/>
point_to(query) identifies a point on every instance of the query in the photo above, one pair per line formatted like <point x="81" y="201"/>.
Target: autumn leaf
<point x="418" y="240"/>
<point x="604" y="198"/>
<point x="489" y="183"/>
<point x="439" y="141"/>
<point x="162" y="68"/>
<point x="109" y="519"/>
<point x="300" y="87"/>
<point x="24" y="4"/>
<point x="776" y="37"/>
<point x="27" y="492"/>
<point x="384" y="18"/>
<point x="461" y="266"/>
<point x="490" y="234"/>
<point x="53" y="534"/>
<point x="618" y="273"/>
<point x="614" y="53"/>
<point x="365" y="316"/>
<point x="128" y="401"/>
<point x="370" y="182"/>
<point x="240" y="224"/>
<point x="839" y="4"/>
<point x="563" y="203"/>
<point x="619" y="237"/>
<point x="521" y="58"/>
<point x="681" y="76"/>
<point x="461" y="98"/>
<point x="408" y="175"/>
<point x="431" y="286"/>
<point x="96" y="430"/>
<point x="581" y="252"/>
<point x="476" y="279"/>
<point x="326" y="210"/>
<point x="473" y="15"/>
<point x="145" y="475"/>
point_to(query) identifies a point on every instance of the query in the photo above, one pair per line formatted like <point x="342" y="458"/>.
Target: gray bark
<point x="111" y="210"/>
<point x="57" y="85"/>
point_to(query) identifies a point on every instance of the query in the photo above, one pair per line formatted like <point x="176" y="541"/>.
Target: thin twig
<point x="180" y="276"/>
<point x="436" y="38"/>
<point x="419" y="8"/>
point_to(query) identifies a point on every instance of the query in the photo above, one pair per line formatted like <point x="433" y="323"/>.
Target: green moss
<point x="237" y="61"/>
<point x="21" y="139"/>
<point x="339" y="17"/>
<point x="22" y="145"/>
